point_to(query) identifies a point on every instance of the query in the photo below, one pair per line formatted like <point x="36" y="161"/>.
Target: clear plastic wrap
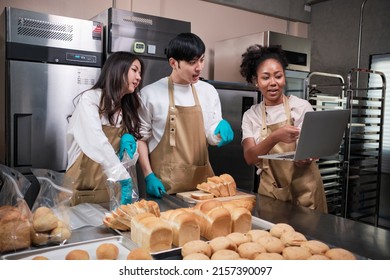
<point x="51" y="222"/>
<point x="15" y="215"/>
<point x="114" y="187"/>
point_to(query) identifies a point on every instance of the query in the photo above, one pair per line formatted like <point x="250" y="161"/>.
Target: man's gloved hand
<point x="126" y="191"/>
<point x="225" y="131"/>
<point x="154" y="186"/>
<point x="128" y="144"/>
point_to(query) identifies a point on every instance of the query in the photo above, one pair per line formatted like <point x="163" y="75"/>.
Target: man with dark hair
<point x="180" y="116"/>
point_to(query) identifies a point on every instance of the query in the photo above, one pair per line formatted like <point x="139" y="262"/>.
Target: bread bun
<point x="225" y="255"/>
<point x="292" y="238"/>
<point x="339" y="254"/>
<point x="271" y="243"/>
<point x="269" y="256"/>
<point x="77" y="254"/>
<point x="107" y="251"/>
<point x="315" y="247"/>
<point x="60" y="234"/>
<point x="44" y="219"/>
<point x="278" y="229"/>
<point x="196" y="256"/>
<point x="39" y="238"/>
<point x="43" y="258"/>
<point x="318" y="257"/>
<point x="139" y="254"/>
<point x="296" y="253"/>
<point x="238" y="238"/>
<point x="196" y="246"/>
<point x="222" y="242"/>
<point x="250" y="250"/>
<point x="255" y="234"/>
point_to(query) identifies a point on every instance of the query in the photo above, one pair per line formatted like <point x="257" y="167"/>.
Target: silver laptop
<point x="321" y="135"/>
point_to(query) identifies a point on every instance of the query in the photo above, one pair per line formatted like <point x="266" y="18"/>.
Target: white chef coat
<point x="252" y="118"/>
<point x="155" y="102"/>
<point x="85" y="134"/>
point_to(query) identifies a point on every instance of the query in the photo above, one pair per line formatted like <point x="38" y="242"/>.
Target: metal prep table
<point x="362" y="239"/>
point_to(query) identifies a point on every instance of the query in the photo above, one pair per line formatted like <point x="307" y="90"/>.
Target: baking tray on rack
<point x="59" y="252"/>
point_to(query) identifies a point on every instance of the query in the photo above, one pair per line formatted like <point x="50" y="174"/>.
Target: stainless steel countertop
<point x="365" y="240"/>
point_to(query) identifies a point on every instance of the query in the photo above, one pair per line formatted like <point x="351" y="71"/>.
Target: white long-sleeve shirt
<point x="85" y="134"/>
<point x="252" y="118"/>
<point x="155" y="102"/>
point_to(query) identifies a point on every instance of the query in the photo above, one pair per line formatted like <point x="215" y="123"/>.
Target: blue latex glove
<point x="128" y="144"/>
<point x="154" y="187"/>
<point x="126" y="191"/>
<point x="225" y="131"/>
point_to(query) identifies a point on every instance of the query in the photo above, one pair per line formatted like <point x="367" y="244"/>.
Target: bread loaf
<point x="219" y="186"/>
<point x="14" y="229"/>
<point x="184" y="226"/>
<point x="151" y="232"/>
<point x="214" y="220"/>
<point x="241" y="219"/>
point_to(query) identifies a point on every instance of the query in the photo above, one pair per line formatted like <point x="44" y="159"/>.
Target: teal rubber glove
<point x="126" y="191"/>
<point x="154" y="186"/>
<point x="128" y="144"/>
<point x="225" y="131"/>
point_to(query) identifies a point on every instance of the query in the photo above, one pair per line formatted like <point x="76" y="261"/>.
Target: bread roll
<point x="255" y="234"/>
<point x="238" y="238"/>
<point x="40" y="258"/>
<point x="107" y="251"/>
<point x="196" y="256"/>
<point x="250" y="250"/>
<point x="222" y="242"/>
<point x="278" y="229"/>
<point x="269" y="256"/>
<point x="296" y="253"/>
<point x="184" y="226"/>
<point x="139" y="254"/>
<point x="44" y="219"/>
<point x="315" y="247"/>
<point x="292" y="238"/>
<point x="339" y="254"/>
<point x="225" y="255"/>
<point x="196" y="246"/>
<point x="60" y="234"/>
<point x="318" y="257"/>
<point x="271" y="243"/>
<point x="77" y="254"/>
<point x="39" y="238"/>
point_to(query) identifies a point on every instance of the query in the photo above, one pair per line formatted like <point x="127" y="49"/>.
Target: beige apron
<point x="181" y="158"/>
<point x="88" y="179"/>
<point x="284" y="180"/>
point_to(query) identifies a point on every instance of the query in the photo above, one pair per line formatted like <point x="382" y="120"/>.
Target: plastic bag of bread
<point x="15" y="215"/>
<point x="50" y="218"/>
<point x="114" y="187"/>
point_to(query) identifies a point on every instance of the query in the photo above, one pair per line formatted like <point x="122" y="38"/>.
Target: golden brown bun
<point x="269" y="256"/>
<point x="278" y="229"/>
<point x="60" y="234"/>
<point x="225" y="255"/>
<point x="339" y="254"/>
<point x="250" y="250"/>
<point x="77" y="254"/>
<point x="255" y="234"/>
<point x="315" y="247"/>
<point x="107" y="251"/>
<point x="292" y="238"/>
<point x="40" y="258"/>
<point x="238" y="238"/>
<point x="271" y="243"/>
<point x="196" y="256"/>
<point x="14" y="228"/>
<point x="196" y="246"/>
<point x="296" y="253"/>
<point x="139" y="254"/>
<point x="318" y="257"/>
<point x="39" y="238"/>
<point x="44" y="219"/>
<point x="222" y="242"/>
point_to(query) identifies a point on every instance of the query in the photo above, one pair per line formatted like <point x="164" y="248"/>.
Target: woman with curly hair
<point x="273" y="126"/>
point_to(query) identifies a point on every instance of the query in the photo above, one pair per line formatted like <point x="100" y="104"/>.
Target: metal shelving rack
<point x="329" y="94"/>
<point x="363" y="147"/>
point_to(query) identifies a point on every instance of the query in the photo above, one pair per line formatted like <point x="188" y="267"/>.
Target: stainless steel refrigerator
<point x="45" y="61"/>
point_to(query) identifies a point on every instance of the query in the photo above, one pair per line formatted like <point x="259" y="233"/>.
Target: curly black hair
<point x="257" y="54"/>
